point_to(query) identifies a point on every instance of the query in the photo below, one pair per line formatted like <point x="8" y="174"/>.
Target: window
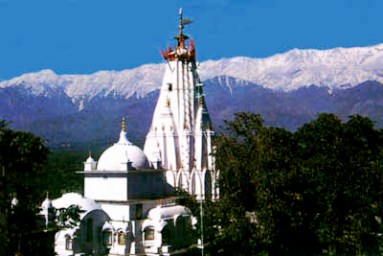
<point x="89" y="231"/>
<point x="208" y="185"/>
<point x="121" y="238"/>
<point x="170" y="87"/>
<point x="138" y="211"/>
<point x="166" y="236"/>
<point x="149" y="233"/>
<point x="107" y="237"/>
<point x="181" y="225"/>
<point x="68" y="242"/>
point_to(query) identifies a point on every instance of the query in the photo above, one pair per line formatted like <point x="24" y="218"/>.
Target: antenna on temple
<point x="183" y="21"/>
<point x="181" y="26"/>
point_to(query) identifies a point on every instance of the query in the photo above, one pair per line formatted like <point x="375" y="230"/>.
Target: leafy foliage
<point x="22" y="157"/>
<point x="25" y="176"/>
<point x="313" y="192"/>
<point x="68" y="217"/>
<point x="61" y="171"/>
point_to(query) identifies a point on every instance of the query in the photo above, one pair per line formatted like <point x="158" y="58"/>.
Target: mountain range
<point x="287" y="89"/>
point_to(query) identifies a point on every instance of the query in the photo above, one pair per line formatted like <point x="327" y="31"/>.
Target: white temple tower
<point x="180" y="136"/>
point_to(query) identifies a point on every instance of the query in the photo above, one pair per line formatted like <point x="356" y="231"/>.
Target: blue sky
<point x="85" y="36"/>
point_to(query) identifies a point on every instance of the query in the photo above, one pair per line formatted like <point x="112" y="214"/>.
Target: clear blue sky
<point x="84" y="36"/>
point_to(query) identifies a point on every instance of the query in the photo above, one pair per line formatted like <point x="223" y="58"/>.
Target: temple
<point x="180" y="136"/>
<point x="129" y="206"/>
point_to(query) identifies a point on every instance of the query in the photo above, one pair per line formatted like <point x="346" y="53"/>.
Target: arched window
<point x="107" y="237"/>
<point x="193" y="185"/>
<point x="182" y="180"/>
<point x="149" y="233"/>
<point x="121" y="238"/>
<point x="68" y="242"/>
<point x="89" y="230"/>
<point x="208" y="185"/>
<point x="181" y="225"/>
<point x="166" y="236"/>
<point x="138" y="211"/>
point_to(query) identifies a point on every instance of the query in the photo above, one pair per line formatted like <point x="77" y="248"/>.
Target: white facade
<point x="180" y="136"/>
<point x="129" y="203"/>
<point x="127" y="210"/>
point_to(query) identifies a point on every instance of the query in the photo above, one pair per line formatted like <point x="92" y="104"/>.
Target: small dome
<point x="90" y="164"/>
<point x="90" y="160"/>
<point x="107" y="226"/>
<point x="116" y="157"/>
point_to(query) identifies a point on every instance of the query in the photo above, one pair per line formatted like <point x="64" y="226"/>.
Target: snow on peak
<point x="37" y="82"/>
<point x="295" y="68"/>
<point x="333" y="68"/>
<point x="141" y="81"/>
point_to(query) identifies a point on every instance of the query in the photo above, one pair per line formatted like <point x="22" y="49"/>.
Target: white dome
<point x="90" y="164"/>
<point x="117" y="156"/>
<point x="90" y="160"/>
<point x="107" y="226"/>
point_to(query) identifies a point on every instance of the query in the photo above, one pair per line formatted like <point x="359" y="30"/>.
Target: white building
<point x="129" y="201"/>
<point x="180" y="136"/>
<point x="128" y="209"/>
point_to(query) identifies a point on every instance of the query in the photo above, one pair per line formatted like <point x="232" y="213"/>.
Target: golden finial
<point x="201" y="101"/>
<point x="123" y="125"/>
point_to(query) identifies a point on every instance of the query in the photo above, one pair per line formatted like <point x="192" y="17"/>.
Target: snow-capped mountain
<point x="139" y="81"/>
<point x="287" y="89"/>
<point x="334" y="68"/>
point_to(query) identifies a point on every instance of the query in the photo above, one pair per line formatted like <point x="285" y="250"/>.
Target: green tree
<point x="342" y="162"/>
<point x="61" y="176"/>
<point x="315" y="191"/>
<point x="22" y="157"/>
<point x="319" y="145"/>
<point x="231" y="231"/>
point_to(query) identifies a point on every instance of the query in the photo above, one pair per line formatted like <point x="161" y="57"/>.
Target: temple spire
<point x="181" y="133"/>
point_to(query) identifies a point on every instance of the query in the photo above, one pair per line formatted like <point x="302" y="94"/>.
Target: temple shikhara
<point x="129" y="203"/>
<point x="180" y="136"/>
